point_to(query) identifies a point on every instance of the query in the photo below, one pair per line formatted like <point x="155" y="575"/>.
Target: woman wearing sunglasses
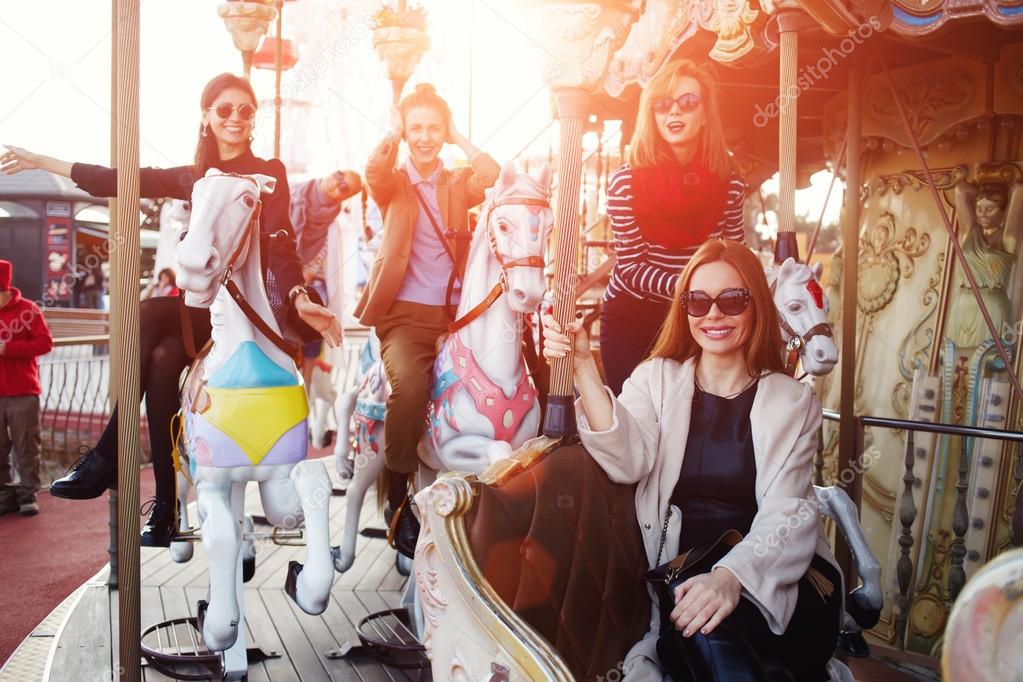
<point x="228" y="107"/>
<point x="721" y="444"/>
<point x="678" y="188"/>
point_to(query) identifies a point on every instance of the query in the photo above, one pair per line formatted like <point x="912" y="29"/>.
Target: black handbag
<point x="666" y="577"/>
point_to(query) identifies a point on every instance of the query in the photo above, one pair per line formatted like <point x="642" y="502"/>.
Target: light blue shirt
<point x="429" y="265"/>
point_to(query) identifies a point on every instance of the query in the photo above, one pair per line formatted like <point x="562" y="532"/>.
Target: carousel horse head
<point x="803" y="313"/>
<point x="518" y="218"/>
<point x="222" y="228"/>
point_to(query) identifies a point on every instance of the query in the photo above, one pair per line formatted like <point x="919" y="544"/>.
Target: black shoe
<point x="8" y="500"/>
<point x="87" y="478"/>
<point x="160" y="527"/>
<point x="403" y="531"/>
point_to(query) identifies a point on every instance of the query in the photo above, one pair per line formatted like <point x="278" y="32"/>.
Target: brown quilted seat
<point x="560" y="544"/>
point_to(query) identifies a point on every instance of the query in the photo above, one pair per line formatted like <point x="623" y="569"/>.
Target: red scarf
<point x="677" y="206"/>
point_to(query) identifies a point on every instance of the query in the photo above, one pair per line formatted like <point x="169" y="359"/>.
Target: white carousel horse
<point x="483" y="404"/>
<point x="803" y="309"/>
<point x="245" y="410"/>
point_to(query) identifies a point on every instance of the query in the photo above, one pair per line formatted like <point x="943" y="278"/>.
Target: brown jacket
<point x="457" y="192"/>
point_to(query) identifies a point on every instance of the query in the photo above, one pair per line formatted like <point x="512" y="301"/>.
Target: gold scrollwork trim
<point x="451" y="497"/>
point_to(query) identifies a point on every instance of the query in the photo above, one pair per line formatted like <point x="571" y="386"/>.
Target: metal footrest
<point x="175" y="648"/>
<point x="389" y="637"/>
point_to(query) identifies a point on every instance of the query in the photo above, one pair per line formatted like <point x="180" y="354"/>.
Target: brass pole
<point x="847" y="430"/>
<point x="125" y="225"/>
<point x="112" y="348"/>
<point x="559" y="419"/>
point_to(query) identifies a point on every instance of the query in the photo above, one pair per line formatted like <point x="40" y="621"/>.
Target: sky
<point x="56" y="92"/>
<point x="56" y="86"/>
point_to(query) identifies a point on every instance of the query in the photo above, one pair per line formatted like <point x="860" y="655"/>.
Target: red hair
<point x="763" y="351"/>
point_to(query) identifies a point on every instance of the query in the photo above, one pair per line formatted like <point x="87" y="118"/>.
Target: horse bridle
<point x="506" y="264"/>
<point x="797" y="342"/>
<point x="226" y="280"/>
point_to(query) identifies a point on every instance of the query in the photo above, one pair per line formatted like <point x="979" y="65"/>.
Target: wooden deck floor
<point x="87" y="646"/>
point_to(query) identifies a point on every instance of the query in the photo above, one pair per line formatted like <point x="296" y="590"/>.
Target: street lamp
<point x="247" y="22"/>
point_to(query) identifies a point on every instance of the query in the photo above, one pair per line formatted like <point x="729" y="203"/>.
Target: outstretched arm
<point x="16" y="159"/>
<point x="101" y="181"/>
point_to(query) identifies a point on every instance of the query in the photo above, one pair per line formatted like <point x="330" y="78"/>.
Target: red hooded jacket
<point x="24" y="335"/>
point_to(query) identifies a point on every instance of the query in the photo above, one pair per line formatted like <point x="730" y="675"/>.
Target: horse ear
<point x="267" y="183"/>
<point x="213" y="171"/>
<point x="817" y="269"/>
<point x="545" y="176"/>
<point x="787" y="267"/>
<point x="508" y="174"/>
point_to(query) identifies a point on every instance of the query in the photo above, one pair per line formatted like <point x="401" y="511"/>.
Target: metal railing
<point x="74" y="404"/>
<point x="907" y="512"/>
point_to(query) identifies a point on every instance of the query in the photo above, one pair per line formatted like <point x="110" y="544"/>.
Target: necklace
<point x="724" y="397"/>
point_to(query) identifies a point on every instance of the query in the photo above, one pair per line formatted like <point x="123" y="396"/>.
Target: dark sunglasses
<point x="690" y="101"/>
<point x="224" y="110"/>
<point x="729" y="302"/>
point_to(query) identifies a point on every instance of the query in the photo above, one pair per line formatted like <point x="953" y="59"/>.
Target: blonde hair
<point x="764" y="348"/>
<point x="648" y="148"/>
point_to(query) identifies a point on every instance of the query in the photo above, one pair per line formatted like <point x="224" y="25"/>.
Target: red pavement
<point x="46" y="557"/>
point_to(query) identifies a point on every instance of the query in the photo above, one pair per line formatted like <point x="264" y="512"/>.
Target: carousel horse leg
<point x="366" y="474"/>
<point x="221" y="538"/>
<point x="864" y="602"/>
<point x="309" y="584"/>
<point x="345" y="406"/>
<point x="182" y="551"/>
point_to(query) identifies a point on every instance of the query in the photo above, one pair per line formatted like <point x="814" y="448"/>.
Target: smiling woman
<point x="679" y="188"/>
<point x="227" y="106"/>
<point x="715" y="434"/>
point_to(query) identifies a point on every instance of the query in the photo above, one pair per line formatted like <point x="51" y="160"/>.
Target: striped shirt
<point x="646" y="270"/>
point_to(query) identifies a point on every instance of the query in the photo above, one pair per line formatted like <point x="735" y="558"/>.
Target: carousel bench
<point x="551" y="549"/>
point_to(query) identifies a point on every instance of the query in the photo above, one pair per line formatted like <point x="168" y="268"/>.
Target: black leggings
<point x="628" y="329"/>
<point x="161" y="361"/>
<point x="743" y="648"/>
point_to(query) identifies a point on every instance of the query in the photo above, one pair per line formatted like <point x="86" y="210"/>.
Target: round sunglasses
<point x="225" y="109"/>
<point x="729" y="302"/>
<point x="689" y="101"/>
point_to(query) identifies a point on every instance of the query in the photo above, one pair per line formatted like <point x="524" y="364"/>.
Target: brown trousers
<point x="408" y="335"/>
<point x="19" y="434"/>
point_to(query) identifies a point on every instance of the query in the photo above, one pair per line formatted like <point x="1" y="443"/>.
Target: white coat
<point x="646" y="444"/>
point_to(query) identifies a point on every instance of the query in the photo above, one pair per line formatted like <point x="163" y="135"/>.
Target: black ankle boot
<point x="160" y="527"/>
<point x="87" y="478"/>
<point x="403" y="531"/>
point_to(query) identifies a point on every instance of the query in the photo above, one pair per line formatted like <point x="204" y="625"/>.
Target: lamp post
<point x="247" y="22"/>
<point x="400" y="40"/>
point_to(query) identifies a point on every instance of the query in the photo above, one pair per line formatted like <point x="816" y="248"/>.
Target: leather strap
<point x="187" y="332"/>
<point x="457" y="257"/>
<point x="478" y="309"/>
<point x="258" y="322"/>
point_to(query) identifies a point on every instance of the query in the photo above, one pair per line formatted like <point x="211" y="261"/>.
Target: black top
<point x="278" y="253"/>
<point x="716" y="490"/>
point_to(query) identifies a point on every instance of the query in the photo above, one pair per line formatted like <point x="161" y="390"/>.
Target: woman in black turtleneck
<point x="228" y="107"/>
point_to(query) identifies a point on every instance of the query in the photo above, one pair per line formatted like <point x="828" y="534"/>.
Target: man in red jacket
<point x="23" y="336"/>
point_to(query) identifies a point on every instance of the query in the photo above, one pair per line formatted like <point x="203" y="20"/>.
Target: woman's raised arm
<point x="101" y="181"/>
